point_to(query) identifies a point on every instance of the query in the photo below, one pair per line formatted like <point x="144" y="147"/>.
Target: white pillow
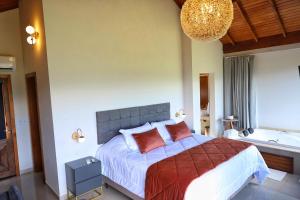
<point x="127" y="133"/>
<point x="161" y="127"/>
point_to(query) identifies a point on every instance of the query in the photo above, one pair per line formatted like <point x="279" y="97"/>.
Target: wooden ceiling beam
<point x="181" y="2"/>
<point x="287" y="31"/>
<point x="8" y="5"/>
<point x="279" y="19"/>
<point x="271" y="41"/>
<point x="246" y="19"/>
<point x="230" y="38"/>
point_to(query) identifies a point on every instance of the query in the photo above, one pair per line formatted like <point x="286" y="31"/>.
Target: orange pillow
<point x="179" y="131"/>
<point x="148" y="140"/>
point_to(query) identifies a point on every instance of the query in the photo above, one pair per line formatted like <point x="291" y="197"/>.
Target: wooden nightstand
<point x="82" y="177"/>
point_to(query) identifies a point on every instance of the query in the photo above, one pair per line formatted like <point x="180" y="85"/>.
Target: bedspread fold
<point x="170" y="178"/>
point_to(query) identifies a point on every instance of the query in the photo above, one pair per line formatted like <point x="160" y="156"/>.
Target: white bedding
<point x="128" y="168"/>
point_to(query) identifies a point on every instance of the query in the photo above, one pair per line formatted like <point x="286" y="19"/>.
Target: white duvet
<point x="128" y="168"/>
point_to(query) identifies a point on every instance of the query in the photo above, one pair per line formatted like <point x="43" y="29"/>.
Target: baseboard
<point x="52" y="190"/>
<point x="26" y="171"/>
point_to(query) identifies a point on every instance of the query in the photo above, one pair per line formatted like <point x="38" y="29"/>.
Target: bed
<point x="126" y="170"/>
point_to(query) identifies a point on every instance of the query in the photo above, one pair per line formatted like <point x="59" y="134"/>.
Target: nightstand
<point x="83" y="177"/>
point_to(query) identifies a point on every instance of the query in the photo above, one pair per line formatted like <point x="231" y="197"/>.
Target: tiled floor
<point x="289" y="189"/>
<point x="31" y="185"/>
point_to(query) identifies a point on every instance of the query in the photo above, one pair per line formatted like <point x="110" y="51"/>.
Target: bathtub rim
<point x="272" y="145"/>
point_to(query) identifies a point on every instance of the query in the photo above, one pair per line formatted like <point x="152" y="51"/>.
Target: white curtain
<point x="239" y="96"/>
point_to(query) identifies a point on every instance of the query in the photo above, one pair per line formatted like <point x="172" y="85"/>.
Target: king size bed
<point x="194" y="167"/>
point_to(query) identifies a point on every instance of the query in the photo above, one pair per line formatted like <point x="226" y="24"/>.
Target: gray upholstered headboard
<point x="110" y="122"/>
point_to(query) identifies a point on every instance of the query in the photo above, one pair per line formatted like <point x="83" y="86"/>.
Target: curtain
<point x="239" y="97"/>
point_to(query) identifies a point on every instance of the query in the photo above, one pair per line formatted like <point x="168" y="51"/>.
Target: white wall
<point x="198" y="58"/>
<point x="278" y="89"/>
<point x="10" y="44"/>
<point x="107" y="55"/>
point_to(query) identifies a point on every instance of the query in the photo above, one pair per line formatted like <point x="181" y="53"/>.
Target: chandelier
<point x="206" y="20"/>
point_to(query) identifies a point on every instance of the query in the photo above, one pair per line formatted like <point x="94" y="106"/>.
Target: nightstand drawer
<point x="87" y="172"/>
<point x="85" y="186"/>
<point x="82" y="177"/>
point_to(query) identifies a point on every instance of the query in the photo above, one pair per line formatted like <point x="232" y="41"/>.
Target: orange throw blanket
<point x="168" y="179"/>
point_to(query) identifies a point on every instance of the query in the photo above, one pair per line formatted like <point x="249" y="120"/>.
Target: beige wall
<point x="207" y="57"/>
<point x="10" y="44"/>
<point x="198" y="58"/>
<point x="35" y="60"/>
<point x="107" y="55"/>
<point x="188" y="96"/>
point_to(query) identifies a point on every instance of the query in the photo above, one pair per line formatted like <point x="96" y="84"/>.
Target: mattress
<point x="128" y="168"/>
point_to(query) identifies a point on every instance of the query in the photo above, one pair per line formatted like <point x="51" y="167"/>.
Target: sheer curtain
<point x="239" y="96"/>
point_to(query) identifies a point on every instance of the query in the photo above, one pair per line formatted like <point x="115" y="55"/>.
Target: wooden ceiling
<point x="261" y="24"/>
<point x="257" y="23"/>
<point x="8" y="5"/>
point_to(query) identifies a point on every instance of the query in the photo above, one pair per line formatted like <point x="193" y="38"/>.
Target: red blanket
<point x="168" y="179"/>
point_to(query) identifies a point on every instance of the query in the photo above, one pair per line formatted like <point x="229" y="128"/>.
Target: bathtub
<point x="276" y="142"/>
<point x="277" y="139"/>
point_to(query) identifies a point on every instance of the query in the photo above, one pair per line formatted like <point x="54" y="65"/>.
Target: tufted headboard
<point x="111" y="121"/>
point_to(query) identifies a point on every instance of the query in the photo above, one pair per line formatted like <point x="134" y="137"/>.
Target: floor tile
<point x="33" y="188"/>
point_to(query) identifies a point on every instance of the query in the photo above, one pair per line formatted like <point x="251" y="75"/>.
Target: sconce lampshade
<point x="206" y="20"/>
<point x="30" y="30"/>
<point x="31" y="40"/>
<point x="33" y="35"/>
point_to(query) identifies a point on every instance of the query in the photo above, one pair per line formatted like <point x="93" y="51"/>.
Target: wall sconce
<point x="33" y="35"/>
<point x="180" y="116"/>
<point x="180" y="113"/>
<point x="79" y="136"/>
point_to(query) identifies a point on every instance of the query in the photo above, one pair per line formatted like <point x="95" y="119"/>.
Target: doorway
<point x="205" y="104"/>
<point x="37" y="155"/>
<point x="9" y="162"/>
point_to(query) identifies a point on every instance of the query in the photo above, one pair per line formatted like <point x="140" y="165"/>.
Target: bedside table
<point x="82" y="177"/>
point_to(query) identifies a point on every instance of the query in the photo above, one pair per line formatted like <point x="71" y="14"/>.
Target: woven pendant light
<point x="206" y="20"/>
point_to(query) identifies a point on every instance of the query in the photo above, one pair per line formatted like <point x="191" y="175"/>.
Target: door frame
<point x="209" y="92"/>
<point x="7" y="77"/>
<point x="33" y="75"/>
<point x="208" y="86"/>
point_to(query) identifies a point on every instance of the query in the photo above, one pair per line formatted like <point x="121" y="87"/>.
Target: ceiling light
<point x="206" y="20"/>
